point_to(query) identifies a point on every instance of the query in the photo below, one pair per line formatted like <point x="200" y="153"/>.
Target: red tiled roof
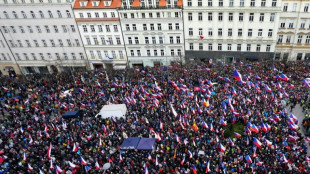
<point x="114" y="4"/>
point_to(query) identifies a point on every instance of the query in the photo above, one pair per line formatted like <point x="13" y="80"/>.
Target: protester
<point x="190" y="109"/>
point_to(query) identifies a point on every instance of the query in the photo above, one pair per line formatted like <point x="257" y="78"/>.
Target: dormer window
<point x="107" y="3"/>
<point x="95" y="3"/>
<point x="83" y="3"/>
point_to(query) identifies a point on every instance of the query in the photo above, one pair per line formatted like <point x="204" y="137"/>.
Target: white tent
<point x="117" y="110"/>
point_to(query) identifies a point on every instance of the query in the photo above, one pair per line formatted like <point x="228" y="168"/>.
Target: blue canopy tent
<point x="71" y="114"/>
<point x="130" y="143"/>
<point x="146" y="144"/>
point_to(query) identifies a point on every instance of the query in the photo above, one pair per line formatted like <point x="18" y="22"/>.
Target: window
<point x="229" y="31"/>
<point x="32" y="14"/>
<point x="230" y="17"/>
<point x="42" y="56"/>
<point x="92" y="55"/>
<point x="162" y="52"/>
<point x="272" y="17"/>
<point x="302" y="24"/>
<point x="190" y="17"/>
<point x="171" y="40"/>
<point x="64" y="28"/>
<point x="263" y="3"/>
<point x="106" y="54"/>
<point x="17" y="55"/>
<point x="112" y="15"/>
<point x="231" y="3"/>
<point x="138" y="52"/>
<point x="220" y="32"/>
<point x="30" y="29"/>
<point x="306" y="7"/>
<point x="129" y="40"/>
<point x="34" y="56"/>
<point x="190" y="31"/>
<point x="172" y="52"/>
<point x="47" y="29"/>
<point x="24" y="14"/>
<point x="13" y="29"/>
<point x="155" y="52"/>
<point x="199" y="2"/>
<point x="81" y="15"/>
<point x="209" y="16"/>
<point x="270" y="33"/>
<point x="282" y="24"/>
<point x="161" y="41"/>
<point x="229" y="47"/>
<point x="288" y="39"/>
<point x="210" y="3"/>
<point x="258" y="47"/>
<point x="36" y="43"/>
<point x="200" y="32"/>
<point x="294" y="7"/>
<point x="132" y="53"/>
<point x="127" y="27"/>
<point x="118" y="40"/>
<point x="26" y="56"/>
<point x="159" y="27"/>
<point x="248" y="47"/>
<point x="89" y="15"/>
<point x="252" y="3"/>
<point x="260" y="32"/>
<point x="210" y="46"/>
<point x="307" y="39"/>
<point x="210" y="32"/>
<point x="6" y="14"/>
<point x="50" y="14"/>
<point x="189" y="3"/>
<point x="200" y="46"/>
<point x="170" y="26"/>
<point x="134" y="27"/>
<point x="221" y="3"/>
<point x="154" y="40"/>
<point x="238" y="47"/>
<point x="132" y="15"/>
<point x="21" y="29"/>
<point x="291" y="24"/>
<point x="152" y="27"/>
<point x="220" y="16"/>
<point x="102" y="40"/>
<point x="239" y="32"/>
<point x="219" y="47"/>
<point x="240" y="17"/>
<point x="285" y="6"/>
<point x="28" y="43"/>
<point x="191" y="46"/>
<point x="144" y="27"/>
<point x="199" y="16"/>
<point x="143" y="15"/>
<point x="299" y="39"/>
<point x="136" y="40"/>
<point x="72" y="28"/>
<point x="274" y="3"/>
<point x="15" y="15"/>
<point x="59" y="14"/>
<point x="251" y="17"/>
<point x="95" y="40"/>
<point x="68" y="14"/>
<point x="44" y="43"/>
<point x="261" y="17"/>
<point x="121" y="54"/>
<point x="105" y="15"/>
<point x="150" y="15"/>
<point x="69" y="42"/>
<point x="178" y="39"/>
<point x="107" y="27"/>
<point x="280" y="37"/>
<point x="176" y="14"/>
<point x="146" y="39"/>
<point x="115" y="28"/>
<point x="39" y="29"/>
<point x="158" y="15"/>
<point x="5" y="29"/>
<point x="268" y="48"/>
<point x="99" y="28"/>
<point x="110" y="40"/>
<point x="84" y="28"/>
<point x="52" y="43"/>
<point x="148" y="52"/>
<point x="88" y="41"/>
<point x="20" y="43"/>
<point x="241" y="3"/>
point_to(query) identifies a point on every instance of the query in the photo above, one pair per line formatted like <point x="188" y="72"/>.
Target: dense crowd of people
<point x="192" y="110"/>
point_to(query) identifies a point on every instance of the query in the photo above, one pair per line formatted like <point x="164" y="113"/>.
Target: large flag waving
<point x="237" y="75"/>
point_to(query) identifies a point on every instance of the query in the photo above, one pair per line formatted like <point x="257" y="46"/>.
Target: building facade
<point x="42" y="36"/>
<point x="229" y="30"/>
<point x="101" y="33"/>
<point x="294" y="31"/>
<point x="153" y="31"/>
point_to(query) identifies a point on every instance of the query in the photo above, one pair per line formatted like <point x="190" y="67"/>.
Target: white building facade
<point x="101" y="33"/>
<point x="294" y="31"/>
<point x="228" y="30"/>
<point x="153" y="31"/>
<point x="42" y="35"/>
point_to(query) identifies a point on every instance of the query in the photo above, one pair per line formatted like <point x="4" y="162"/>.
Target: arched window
<point x="32" y="14"/>
<point x="59" y="14"/>
<point x="68" y="14"/>
<point x="14" y="14"/>
<point x="6" y="14"/>
<point x="41" y="14"/>
<point x="24" y="14"/>
<point x="50" y="14"/>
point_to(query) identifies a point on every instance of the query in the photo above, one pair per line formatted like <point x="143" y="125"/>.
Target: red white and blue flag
<point x="257" y="142"/>
<point x="83" y="161"/>
<point x="237" y="75"/>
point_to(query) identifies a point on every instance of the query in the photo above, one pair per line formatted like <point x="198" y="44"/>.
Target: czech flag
<point x="204" y="124"/>
<point x="279" y="85"/>
<point x="83" y="161"/>
<point x="208" y="167"/>
<point x="49" y="151"/>
<point x="222" y="122"/>
<point x="237" y="75"/>
<point x="177" y="138"/>
<point x="58" y="169"/>
<point x="25" y="157"/>
<point x="237" y="135"/>
<point x="97" y="165"/>
<point x="75" y="148"/>
<point x="234" y="92"/>
<point x="190" y="154"/>
<point x="259" y="163"/>
<point x="284" y="77"/>
<point x="269" y="143"/>
<point x="267" y="88"/>
<point x="194" y="169"/>
<point x="30" y="168"/>
<point x="182" y="162"/>
<point x="72" y="165"/>
<point x="253" y="128"/>
<point x="222" y="148"/>
<point x="149" y="157"/>
<point x="248" y="159"/>
<point x="257" y="143"/>
<point x="231" y="142"/>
